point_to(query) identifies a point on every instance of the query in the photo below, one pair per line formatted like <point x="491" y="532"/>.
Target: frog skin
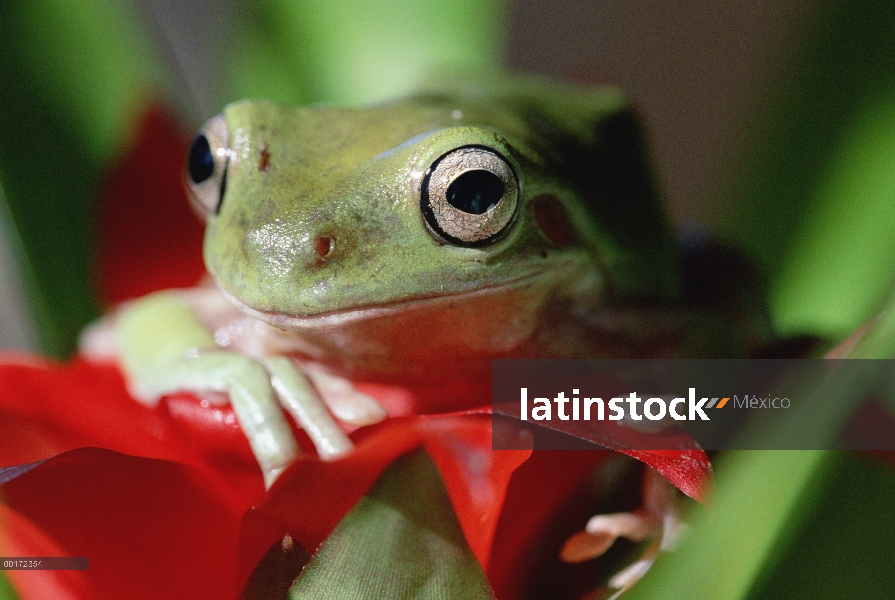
<point x="408" y="245"/>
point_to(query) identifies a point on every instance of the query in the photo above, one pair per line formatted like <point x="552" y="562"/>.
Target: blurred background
<point x="701" y="73"/>
<point x="771" y="123"/>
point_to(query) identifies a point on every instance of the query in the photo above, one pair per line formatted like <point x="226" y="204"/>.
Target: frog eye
<point x="469" y="196"/>
<point x="206" y="166"/>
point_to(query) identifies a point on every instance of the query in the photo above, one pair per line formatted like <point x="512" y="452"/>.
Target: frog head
<point x="491" y="201"/>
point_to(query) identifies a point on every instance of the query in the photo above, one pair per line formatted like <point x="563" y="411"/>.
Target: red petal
<point x="689" y="470"/>
<point x="151" y="529"/>
<point x="21" y="537"/>
<point x="148" y="237"/>
<point x="48" y="408"/>
<point x="475" y="476"/>
<point x="538" y="490"/>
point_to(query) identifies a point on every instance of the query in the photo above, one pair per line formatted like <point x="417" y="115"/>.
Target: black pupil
<point x="475" y="192"/>
<point x="200" y="163"/>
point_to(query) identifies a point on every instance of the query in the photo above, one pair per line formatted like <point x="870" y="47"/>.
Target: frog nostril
<point x="324" y="245"/>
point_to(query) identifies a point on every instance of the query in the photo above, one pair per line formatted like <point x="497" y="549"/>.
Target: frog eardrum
<point x="206" y="167"/>
<point x="469" y="196"/>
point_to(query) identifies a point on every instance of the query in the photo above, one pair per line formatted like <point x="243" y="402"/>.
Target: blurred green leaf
<point x="875" y="339"/>
<point x="6" y="591"/>
<point x="758" y="504"/>
<point x="816" y="209"/>
<point x="846" y="546"/>
<point x="402" y="540"/>
<point x="360" y="50"/>
<point x="842" y="266"/>
<point x="817" y="203"/>
<point x="72" y="75"/>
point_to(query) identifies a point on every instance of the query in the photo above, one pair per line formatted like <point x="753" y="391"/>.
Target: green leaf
<point x="816" y="201"/>
<point x="360" y="50"/>
<point x="6" y="591"/>
<point x="72" y="75"/>
<point x="755" y="511"/>
<point x="875" y="339"/>
<point x="815" y="210"/>
<point x="401" y="541"/>
<point x="846" y="545"/>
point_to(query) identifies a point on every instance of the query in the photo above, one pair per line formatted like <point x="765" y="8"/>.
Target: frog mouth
<point x="346" y="316"/>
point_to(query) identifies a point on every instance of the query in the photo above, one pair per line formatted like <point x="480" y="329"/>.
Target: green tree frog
<point x="407" y="245"/>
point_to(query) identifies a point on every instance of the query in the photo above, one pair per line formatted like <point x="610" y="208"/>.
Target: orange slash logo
<point x="720" y="404"/>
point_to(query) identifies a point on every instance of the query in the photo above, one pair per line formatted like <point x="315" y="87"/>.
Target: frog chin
<point x="349" y="315"/>
<point x="445" y="337"/>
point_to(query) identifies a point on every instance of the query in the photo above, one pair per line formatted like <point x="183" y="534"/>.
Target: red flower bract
<point x="159" y="499"/>
<point x="169" y="502"/>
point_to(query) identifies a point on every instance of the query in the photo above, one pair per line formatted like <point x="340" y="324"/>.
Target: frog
<point x="407" y="245"/>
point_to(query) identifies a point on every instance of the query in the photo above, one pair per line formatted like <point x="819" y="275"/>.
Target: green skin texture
<point x="392" y="302"/>
<point x="354" y="175"/>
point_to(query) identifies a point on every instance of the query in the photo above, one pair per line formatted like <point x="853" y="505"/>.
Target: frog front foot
<point x="164" y="348"/>
<point x="260" y="391"/>
<point x="656" y="522"/>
